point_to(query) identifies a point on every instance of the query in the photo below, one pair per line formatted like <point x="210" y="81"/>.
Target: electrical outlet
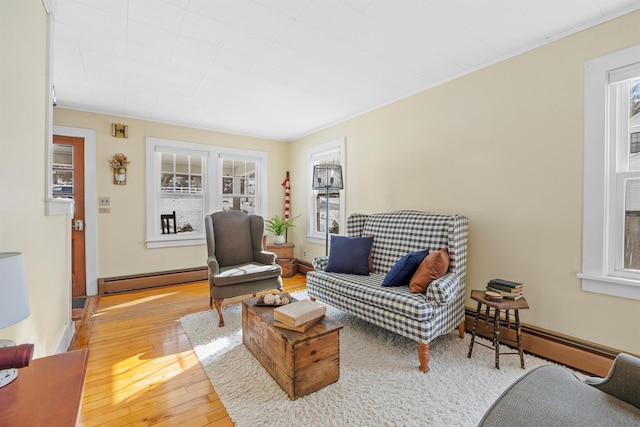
<point x="104" y="201"/>
<point x="304" y="254"/>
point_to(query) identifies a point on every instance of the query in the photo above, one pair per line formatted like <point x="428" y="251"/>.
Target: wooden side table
<point x="506" y="305"/>
<point x="282" y="251"/>
<point x="284" y="258"/>
<point x="48" y="392"/>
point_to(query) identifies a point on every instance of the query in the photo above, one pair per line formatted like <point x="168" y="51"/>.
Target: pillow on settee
<point x="402" y="271"/>
<point x="434" y="266"/>
<point x="349" y="255"/>
<point x="371" y="269"/>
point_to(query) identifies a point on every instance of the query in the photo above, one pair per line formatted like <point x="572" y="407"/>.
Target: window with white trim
<point x="611" y="235"/>
<point x="181" y="188"/>
<point x="194" y="180"/>
<point x="329" y="153"/>
<point x="240" y="180"/>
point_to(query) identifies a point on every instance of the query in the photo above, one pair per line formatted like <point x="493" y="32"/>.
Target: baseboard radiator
<point x="304" y="267"/>
<point x="109" y="285"/>
<point x="584" y="356"/>
<point x="580" y="355"/>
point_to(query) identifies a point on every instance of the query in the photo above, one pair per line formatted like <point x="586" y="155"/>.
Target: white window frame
<point x="260" y="159"/>
<point x="603" y="206"/>
<point x="212" y="177"/>
<point x="154" y="145"/>
<point x="329" y="149"/>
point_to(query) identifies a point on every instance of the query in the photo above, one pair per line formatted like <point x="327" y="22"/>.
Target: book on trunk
<point x="299" y="312"/>
<point x="301" y="328"/>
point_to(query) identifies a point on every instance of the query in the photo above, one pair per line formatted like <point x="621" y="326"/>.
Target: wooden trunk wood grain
<point x="282" y="251"/>
<point x="289" y="266"/>
<point x="300" y="362"/>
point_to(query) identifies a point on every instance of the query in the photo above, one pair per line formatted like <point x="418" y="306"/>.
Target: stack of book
<point x="508" y="290"/>
<point x="299" y="315"/>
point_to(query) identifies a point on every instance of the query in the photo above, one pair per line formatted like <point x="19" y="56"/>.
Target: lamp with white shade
<point x="14" y="307"/>
<point x="327" y="177"/>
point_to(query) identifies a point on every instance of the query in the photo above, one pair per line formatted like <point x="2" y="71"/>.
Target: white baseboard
<point x="66" y="335"/>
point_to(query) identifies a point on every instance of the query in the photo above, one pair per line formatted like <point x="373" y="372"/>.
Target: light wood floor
<point x="142" y="370"/>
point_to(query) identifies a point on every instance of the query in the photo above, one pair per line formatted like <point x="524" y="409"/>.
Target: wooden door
<point x="68" y="182"/>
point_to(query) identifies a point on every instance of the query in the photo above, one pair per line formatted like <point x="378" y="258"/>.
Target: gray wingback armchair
<point x="238" y="265"/>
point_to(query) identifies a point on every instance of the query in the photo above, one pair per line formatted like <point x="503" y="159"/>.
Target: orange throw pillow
<point x="370" y="255"/>
<point x="434" y="266"/>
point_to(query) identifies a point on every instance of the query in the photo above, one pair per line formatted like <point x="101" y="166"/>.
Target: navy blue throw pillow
<point x="349" y="255"/>
<point x="402" y="271"/>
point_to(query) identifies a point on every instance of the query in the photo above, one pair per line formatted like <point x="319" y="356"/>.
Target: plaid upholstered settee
<point x="417" y="316"/>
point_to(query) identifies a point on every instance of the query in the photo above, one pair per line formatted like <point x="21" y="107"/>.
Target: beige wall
<point x="503" y="146"/>
<point x="121" y="234"/>
<point x="23" y="224"/>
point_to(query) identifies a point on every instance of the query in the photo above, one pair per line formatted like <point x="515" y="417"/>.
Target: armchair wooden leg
<point x="461" y="329"/>
<point x="210" y="301"/>
<point x="218" y="304"/>
<point x="423" y="356"/>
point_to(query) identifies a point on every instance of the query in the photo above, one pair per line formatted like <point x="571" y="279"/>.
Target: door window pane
<point x="62" y="179"/>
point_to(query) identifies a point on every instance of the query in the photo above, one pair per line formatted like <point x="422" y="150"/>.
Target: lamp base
<point x="7" y="375"/>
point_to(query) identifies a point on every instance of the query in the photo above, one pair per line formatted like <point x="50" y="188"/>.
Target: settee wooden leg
<point x="218" y="303"/>
<point x="423" y="356"/>
<point x="461" y="329"/>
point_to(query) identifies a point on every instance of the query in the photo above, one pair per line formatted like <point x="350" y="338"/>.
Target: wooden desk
<point x="46" y="393"/>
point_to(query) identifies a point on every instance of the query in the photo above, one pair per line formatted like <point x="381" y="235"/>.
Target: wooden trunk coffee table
<point x="300" y="362"/>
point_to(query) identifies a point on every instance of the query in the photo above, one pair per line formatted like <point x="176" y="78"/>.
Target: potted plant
<point x="277" y="226"/>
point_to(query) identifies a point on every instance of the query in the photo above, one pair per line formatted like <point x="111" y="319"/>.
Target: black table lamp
<point x="327" y="177"/>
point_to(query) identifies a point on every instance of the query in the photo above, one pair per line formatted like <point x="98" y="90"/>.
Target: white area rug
<point x="380" y="384"/>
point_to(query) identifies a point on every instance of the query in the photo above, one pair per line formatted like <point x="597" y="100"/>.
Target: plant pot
<point x="279" y="240"/>
<point x="120" y="176"/>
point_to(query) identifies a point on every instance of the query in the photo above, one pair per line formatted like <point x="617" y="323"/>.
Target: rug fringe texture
<point x="380" y="384"/>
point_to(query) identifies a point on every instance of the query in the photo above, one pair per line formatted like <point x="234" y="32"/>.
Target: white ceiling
<point x="282" y="69"/>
